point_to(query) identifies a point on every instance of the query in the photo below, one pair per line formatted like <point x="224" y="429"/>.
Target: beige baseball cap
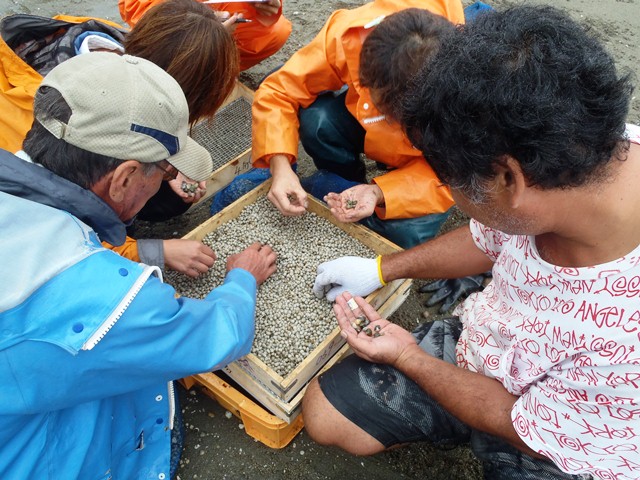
<point x="127" y="108"/>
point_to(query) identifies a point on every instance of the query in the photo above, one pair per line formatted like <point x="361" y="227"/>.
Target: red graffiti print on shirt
<point x="617" y="286"/>
<point x="567" y="341"/>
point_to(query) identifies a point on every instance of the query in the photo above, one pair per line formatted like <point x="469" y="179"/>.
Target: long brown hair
<point x="186" y="39"/>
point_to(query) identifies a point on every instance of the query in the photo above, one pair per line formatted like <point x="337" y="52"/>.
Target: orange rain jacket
<point x="328" y="62"/>
<point x="18" y="85"/>
<point x="255" y="41"/>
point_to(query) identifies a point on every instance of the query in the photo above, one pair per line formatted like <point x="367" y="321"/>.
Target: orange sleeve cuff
<point x="264" y="161"/>
<point x="129" y="249"/>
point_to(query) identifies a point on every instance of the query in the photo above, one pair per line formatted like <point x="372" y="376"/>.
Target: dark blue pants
<point x="332" y="137"/>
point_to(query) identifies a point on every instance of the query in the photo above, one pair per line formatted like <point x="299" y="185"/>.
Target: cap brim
<point x="193" y="161"/>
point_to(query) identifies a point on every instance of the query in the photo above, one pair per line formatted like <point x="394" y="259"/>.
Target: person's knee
<point x="313" y="119"/>
<point x="408" y="232"/>
<point x="279" y="34"/>
<point x="257" y="42"/>
<point x="314" y="405"/>
<point x="326" y="426"/>
<point x="321" y="137"/>
<point x="272" y="38"/>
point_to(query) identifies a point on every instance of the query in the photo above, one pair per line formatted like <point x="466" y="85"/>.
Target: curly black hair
<point x="529" y="83"/>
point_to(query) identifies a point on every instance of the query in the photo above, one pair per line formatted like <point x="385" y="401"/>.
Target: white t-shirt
<point x="567" y="341"/>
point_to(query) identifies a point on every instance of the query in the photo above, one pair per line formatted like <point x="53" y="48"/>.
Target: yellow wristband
<point x="379" y="263"/>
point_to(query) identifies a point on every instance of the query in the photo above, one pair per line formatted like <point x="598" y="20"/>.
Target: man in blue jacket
<point x="90" y="341"/>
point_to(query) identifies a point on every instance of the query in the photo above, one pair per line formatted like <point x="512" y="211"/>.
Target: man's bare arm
<point x="452" y="255"/>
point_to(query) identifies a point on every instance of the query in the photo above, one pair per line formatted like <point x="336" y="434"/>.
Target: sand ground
<point x="216" y="446"/>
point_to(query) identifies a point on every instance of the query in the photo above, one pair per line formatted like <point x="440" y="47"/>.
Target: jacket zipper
<point x="115" y="316"/>
<point x="172" y="404"/>
<point x="111" y="320"/>
<point x="368" y="121"/>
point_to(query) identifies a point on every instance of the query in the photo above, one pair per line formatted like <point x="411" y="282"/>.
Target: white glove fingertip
<point x="334" y="292"/>
<point x="318" y="291"/>
<point x="321" y="284"/>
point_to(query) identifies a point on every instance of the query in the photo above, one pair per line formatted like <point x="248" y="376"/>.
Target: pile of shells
<point x="290" y="321"/>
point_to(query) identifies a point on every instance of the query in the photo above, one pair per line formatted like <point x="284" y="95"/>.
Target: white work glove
<point x="356" y="275"/>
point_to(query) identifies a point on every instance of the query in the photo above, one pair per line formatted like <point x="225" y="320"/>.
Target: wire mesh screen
<point x="229" y="134"/>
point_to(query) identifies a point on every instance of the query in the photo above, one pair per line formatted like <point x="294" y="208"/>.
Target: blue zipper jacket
<point x="89" y="341"/>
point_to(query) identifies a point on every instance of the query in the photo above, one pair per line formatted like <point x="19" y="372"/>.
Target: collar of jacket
<point x="33" y="182"/>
